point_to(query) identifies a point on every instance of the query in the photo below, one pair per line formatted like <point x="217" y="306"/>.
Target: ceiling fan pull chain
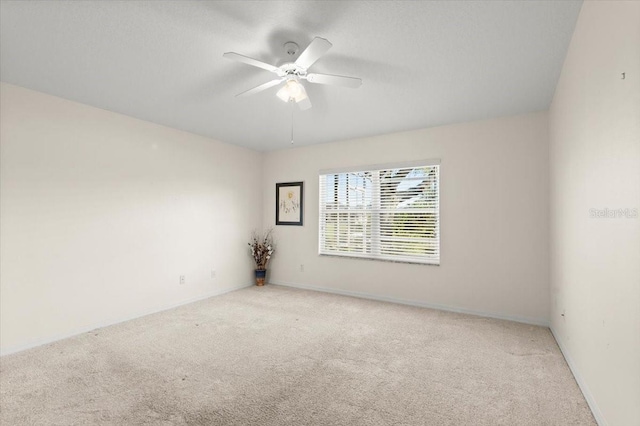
<point x="291" y="102"/>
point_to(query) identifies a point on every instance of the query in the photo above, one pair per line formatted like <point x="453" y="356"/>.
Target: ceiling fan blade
<point x="261" y="87"/>
<point x="313" y="52"/>
<point x="304" y="104"/>
<point x="335" y="80"/>
<point x="249" y="61"/>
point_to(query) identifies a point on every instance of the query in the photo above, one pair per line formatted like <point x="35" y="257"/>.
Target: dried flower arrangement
<point x="261" y="248"/>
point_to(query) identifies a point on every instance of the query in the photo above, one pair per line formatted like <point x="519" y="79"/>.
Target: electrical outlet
<point x="213" y="274"/>
<point x="183" y="279"/>
<point x="301" y="267"/>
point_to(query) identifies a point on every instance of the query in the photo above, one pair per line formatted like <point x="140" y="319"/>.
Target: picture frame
<point x="290" y="203"/>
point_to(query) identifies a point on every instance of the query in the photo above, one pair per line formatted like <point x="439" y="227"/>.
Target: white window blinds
<point x="385" y="212"/>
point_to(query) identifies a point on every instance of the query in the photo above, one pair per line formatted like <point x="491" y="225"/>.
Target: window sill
<point x="380" y="259"/>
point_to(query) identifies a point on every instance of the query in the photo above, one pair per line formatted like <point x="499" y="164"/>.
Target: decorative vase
<point x="260" y="275"/>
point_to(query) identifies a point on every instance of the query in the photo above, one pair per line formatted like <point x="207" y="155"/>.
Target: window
<point x="382" y="212"/>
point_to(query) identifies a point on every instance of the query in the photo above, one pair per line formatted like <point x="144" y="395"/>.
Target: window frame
<point x="376" y="239"/>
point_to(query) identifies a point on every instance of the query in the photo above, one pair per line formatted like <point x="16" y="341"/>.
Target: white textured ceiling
<point x="422" y="63"/>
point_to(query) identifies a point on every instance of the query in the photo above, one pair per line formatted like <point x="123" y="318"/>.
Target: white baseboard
<point x="597" y="414"/>
<point x="524" y="320"/>
<point x="39" y="342"/>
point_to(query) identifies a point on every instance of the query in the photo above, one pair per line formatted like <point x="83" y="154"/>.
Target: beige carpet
<point x="279" y="356"/>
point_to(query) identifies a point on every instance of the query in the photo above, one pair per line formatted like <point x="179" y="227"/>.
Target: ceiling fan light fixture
<point x="292" y="90"/>
<point x="302" y="95"/>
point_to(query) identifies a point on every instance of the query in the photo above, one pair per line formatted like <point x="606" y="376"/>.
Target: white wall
<point x="494" y="219"/>
<point x="101" y="214"/>
<point x="595" y="164"/>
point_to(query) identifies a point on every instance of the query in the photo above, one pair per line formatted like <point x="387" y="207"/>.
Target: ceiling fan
<point x="291" y="73"/>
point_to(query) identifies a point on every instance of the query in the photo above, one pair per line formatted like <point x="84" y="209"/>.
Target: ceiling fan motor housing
<point x="291" y="70"/>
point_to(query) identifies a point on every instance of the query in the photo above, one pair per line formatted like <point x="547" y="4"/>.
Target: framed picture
<point x="289" y="203"/>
